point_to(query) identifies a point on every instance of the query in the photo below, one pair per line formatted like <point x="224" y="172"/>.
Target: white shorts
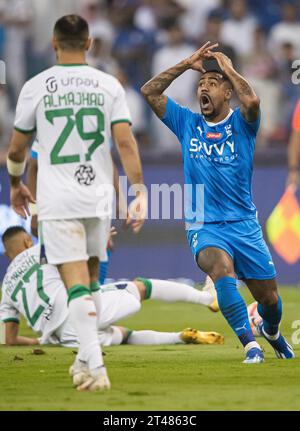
<point x="118" y="300"/>
<point x="73" y="240"/>
<point x="65" y="336"/>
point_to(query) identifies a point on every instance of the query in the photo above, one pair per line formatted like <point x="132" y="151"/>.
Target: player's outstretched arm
<point x="18" y="146"/>
<point x="153" y="90"/>
<point x="246" y="94"/>
<point x="16" y="160"/>
<point x="32" y="176"/>
<point x="31" y="183"/>
<point x="130" y="158"/>
<point x="12" y="337"/>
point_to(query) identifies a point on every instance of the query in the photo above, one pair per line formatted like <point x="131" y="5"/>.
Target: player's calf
<point x="83" y="316"/>
<point x="269" y="303"/>
<point x="234" y="310"/>
<point x="219" y="266"/>
<point x="271" y="313"/>
<point x="270" y="310"/>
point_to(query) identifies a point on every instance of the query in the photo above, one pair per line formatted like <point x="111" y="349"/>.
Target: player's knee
<point x="222" y="269"/>
<point x="120" y="335"/>
<point x="216" y="263"/>
<point x="269" y="299"/>
<point x="141" y="288"/>
<point x="125" y="334"/>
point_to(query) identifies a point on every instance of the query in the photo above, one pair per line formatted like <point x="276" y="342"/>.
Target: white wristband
<point x="15" y="169"/>
<point x="32" y="209"/>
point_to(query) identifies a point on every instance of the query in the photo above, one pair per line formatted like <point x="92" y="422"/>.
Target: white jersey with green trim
<point x="34" y="291"/>
<point x="72" y="109"/>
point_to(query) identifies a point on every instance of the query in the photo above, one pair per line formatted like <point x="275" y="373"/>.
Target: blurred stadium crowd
<point x="135" y="39"/>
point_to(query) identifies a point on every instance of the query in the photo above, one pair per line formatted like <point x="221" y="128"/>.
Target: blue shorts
<point x="243" y="241"/>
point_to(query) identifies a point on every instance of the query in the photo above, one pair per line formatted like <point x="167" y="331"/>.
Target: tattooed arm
<point x="246" y="94"/>
<point x="153" y="90"/>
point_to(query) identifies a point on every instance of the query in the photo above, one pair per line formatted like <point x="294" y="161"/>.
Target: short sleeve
<point x="296" y="118"/>
<point x="25" y="120"/>
<point x="252" y="127"/>
<point x="120" y="110"/>
<point x="175" y="117"/>
<point x="8" y="313"/>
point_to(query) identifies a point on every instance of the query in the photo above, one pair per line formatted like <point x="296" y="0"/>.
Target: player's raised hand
<point x="195" y="61"/>
<point x="137" y="212"/>
<point x="20" y="197"/>
<point x="224" y="62"/>
<point x="112" y="234"/>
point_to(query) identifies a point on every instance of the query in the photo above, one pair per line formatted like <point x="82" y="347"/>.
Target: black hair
<point x="72" y="32"/>
<point x="221" y="73"/>
<point x="11" y="232"/>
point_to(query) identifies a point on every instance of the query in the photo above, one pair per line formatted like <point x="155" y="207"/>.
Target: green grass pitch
<point x="182" y="377"/>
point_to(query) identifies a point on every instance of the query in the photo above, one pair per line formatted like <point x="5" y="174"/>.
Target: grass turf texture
<point x="182" y="377"/>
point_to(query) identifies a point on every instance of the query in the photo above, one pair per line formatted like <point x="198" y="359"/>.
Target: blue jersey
<point x="219" y="157"/>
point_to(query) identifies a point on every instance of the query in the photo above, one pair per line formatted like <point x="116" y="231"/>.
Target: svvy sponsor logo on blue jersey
<point x="223" y="151"/>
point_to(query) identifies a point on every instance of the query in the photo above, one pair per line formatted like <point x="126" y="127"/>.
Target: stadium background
<point x="135" y="39"/>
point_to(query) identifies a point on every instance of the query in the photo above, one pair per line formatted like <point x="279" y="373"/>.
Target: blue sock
<point x="271" y="316"/>
<point x="103" y="268"/>
<point x="234" y="309"/>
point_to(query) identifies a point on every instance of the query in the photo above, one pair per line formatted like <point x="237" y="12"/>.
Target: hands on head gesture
<point x="195" y="61"/>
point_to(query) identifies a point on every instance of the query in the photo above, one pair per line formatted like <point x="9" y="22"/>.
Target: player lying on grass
<point x="222" y="227"/>
<point x="38" y="293"/>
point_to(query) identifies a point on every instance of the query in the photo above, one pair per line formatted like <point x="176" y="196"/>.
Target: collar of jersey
<point x="210" y="124"/>
<point x="72" y="64"/>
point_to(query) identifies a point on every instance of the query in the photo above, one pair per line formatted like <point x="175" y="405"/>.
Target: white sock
<point x="97" y="300"/>
<point x="273" y="337"/>
<point x="83" y="317"/>
<point x="153" y="337"/>
<point x="171" y="291"/>
<point x="251" y="345"/>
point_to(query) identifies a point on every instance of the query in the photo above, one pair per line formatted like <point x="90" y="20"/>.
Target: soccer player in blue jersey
<point x="217" y="149"/>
